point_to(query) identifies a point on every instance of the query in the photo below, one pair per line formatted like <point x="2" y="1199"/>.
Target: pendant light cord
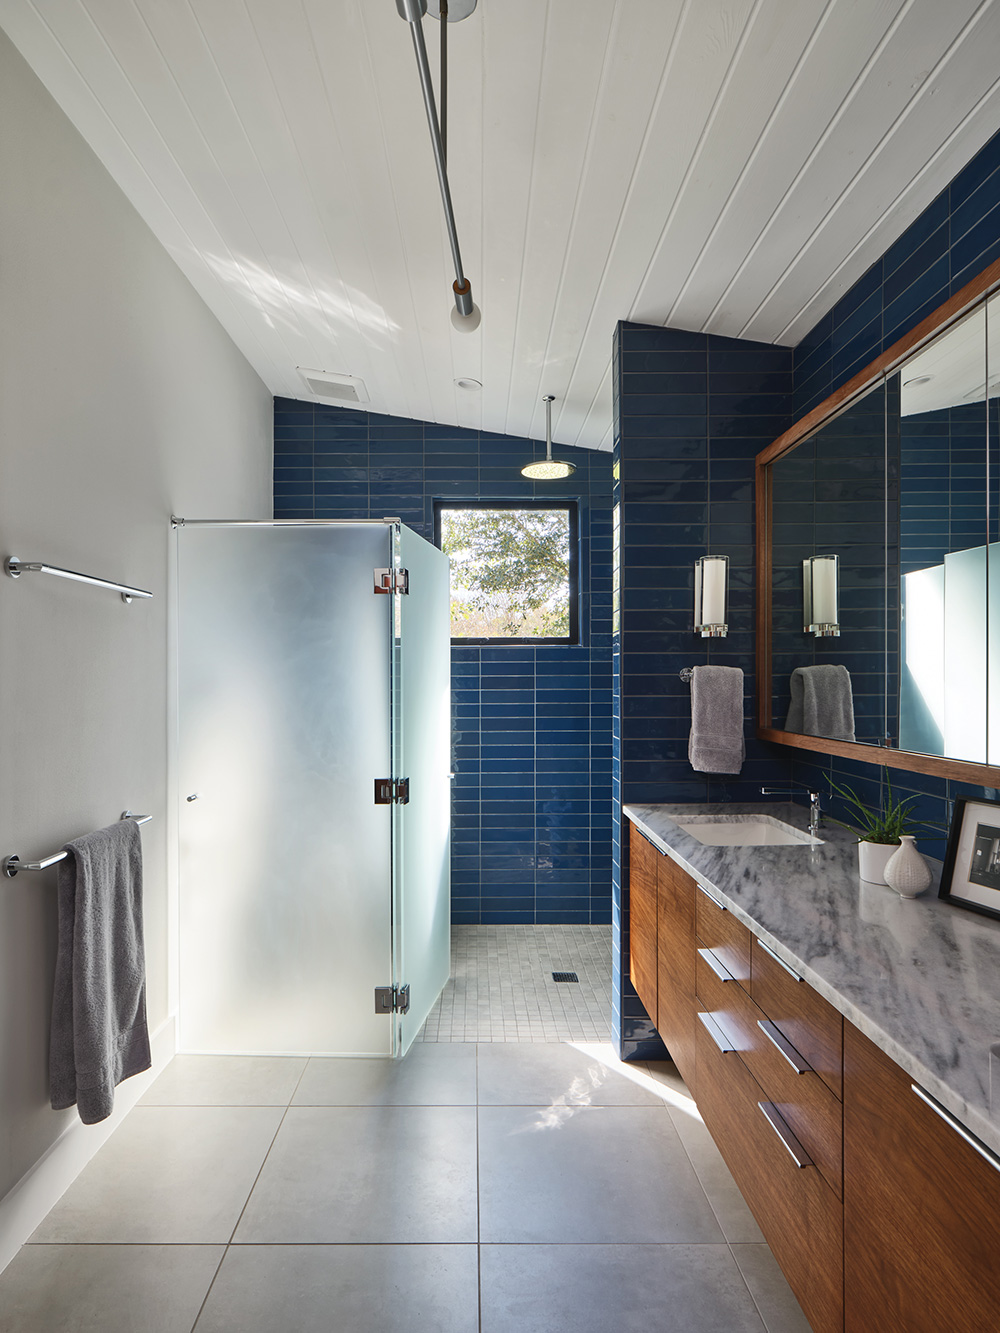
<point x="444" y="80"/>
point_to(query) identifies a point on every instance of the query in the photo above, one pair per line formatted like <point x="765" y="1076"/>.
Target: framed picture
<point x="971" y="875"/>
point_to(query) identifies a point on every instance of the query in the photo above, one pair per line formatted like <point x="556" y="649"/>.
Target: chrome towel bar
<point x="15" y="568"/>
<point x="13" y="863"/>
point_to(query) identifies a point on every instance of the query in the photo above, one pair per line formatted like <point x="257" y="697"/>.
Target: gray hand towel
<point x="99" y="1032"/>
<point x="822" y="702"/>
<point x="716" y="744"/>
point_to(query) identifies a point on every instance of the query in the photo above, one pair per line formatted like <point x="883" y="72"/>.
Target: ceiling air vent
<point x="340" y="388"/>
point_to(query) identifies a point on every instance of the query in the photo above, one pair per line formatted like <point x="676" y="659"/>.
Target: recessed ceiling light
<point x="473" y="386"/>
<point x="919" y="379"/>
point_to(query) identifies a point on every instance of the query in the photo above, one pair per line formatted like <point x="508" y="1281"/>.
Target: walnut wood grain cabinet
<point x="797" y="1211"/>
<point x="921" y="1208"/>
<point x="774" y="1119"/>
<point x="644" y="861"/>
<point x="676" y="1011"/>
<point x="661" y="947"/>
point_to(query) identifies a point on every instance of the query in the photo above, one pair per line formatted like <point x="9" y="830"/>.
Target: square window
<point x="513" y="570"/>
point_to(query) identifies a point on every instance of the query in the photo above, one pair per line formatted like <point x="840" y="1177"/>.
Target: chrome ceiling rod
<point x="413" y="11"/>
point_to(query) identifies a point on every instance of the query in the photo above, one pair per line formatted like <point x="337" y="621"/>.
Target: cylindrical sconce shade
<point x="820" y="582"/>
<point x="711" y="592"/>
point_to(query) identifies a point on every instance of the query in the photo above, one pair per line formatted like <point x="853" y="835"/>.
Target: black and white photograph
<point x="971" y="875"/>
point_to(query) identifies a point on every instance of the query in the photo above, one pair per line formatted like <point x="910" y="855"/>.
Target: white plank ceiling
<point x="731" y="166"/>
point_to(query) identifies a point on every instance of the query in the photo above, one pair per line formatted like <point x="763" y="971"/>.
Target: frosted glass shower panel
<point x="423" y="755"/>
<point x="284" y="661"/>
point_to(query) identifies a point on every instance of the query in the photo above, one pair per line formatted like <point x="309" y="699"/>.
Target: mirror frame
<point x="974" y="292"/>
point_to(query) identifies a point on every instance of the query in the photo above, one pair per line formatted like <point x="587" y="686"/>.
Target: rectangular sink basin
<point x="745" y="831"/>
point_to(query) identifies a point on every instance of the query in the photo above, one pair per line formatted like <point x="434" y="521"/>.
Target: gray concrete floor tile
<point x="113" y="1288"/>
<point x="226" y="1080"/>
<point x="367" y="1175"/>
<point x="779" y="1309"/>
<point x="168" y="1175"/>
<point x="628" y="1288"/>
<point x="428" y="1075"/>
<point x="600" y="1174"/>
<point x="358" y="1206"/>
<point x="727" y="1202"/>
<point x="354" y="1288"/>
<point x="560" y="1074"/>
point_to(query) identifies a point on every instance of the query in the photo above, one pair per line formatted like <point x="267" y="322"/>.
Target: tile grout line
<point x="229" y="1242"/>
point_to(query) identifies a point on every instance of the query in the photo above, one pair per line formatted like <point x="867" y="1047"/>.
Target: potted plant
<point x="878" y="828"/>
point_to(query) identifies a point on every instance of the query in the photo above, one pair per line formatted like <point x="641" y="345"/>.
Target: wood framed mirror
<point x="878" y="556"/>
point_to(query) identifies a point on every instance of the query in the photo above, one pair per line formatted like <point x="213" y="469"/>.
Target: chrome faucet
<point x="815" y="813"/>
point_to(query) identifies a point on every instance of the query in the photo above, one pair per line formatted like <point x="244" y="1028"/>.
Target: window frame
<point x="572" y="508"/>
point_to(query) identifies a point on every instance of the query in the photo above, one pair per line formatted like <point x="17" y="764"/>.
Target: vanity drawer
<point x="728" y="938"/>
<point x="812" y="1112"/>
<point x="813" y="1027"/>
<point x="800" y="1216"/>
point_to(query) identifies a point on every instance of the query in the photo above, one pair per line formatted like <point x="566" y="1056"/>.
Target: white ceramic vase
<point x="906" y="871"/>
<point x="872" y="858"/>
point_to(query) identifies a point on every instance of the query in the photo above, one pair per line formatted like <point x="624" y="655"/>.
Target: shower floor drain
<point x="565" y="976"/>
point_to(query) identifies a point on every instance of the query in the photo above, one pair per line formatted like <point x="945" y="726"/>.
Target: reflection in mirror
<point x="949" y="557"/>
<point x="836" y="494"/>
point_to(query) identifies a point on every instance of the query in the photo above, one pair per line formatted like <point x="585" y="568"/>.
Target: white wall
<point x="121" y="401"/>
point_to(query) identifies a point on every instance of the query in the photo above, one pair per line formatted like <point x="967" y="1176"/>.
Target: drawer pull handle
<point x="777" y="1039"/>
<point x="715" y="965"/>
<point x="958" y="1127"/>
<point x="712" y="899"/>
<point x="780" y="961"/>
<point x="793" y="1147"/>
<point x="718" y="1036"/>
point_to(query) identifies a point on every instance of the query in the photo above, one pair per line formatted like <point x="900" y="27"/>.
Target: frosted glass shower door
<point x="422" y="754"/>
<point x="284" y="682"/>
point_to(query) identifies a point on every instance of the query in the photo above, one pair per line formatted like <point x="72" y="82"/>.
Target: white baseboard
<point x="40" y="1188"/>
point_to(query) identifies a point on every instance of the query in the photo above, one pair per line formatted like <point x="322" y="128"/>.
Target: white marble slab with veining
<point x="919" y="976"/>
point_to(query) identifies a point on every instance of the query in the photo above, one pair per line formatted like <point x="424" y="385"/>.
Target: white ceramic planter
<point x="872" y="858"/>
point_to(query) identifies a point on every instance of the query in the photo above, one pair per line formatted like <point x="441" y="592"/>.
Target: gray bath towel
<point x="716" y="744"/>
<point x="99" y="1032"/>
<point x="822" y="702"/>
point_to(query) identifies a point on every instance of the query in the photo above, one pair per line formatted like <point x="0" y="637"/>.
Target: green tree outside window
<point x="510" y="572"/>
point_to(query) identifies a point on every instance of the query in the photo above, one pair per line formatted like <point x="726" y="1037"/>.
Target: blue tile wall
<point x="942" y="455"/>
<point x="683" y="488"/>
<point x="947" y="246"/>
<point x="532" y="825"/>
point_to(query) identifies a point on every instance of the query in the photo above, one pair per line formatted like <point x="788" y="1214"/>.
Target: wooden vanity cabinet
<point x="676" y="1011"/>
<point x="796" y="1210"/>
<point x="894" y="1225"/>
<point x="661" y="947"/>
<point x="644" y="861"/>
<point x="775" y="1121"/>
<point x="921" y="1208"/>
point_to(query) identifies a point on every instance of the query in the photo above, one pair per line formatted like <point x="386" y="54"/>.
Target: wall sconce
<point x="711" y="592"/>
<point x="820" y="584"/>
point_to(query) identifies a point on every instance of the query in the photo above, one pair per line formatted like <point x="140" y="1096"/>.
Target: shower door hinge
<point x="392" y="999"/>
<point x="392" y="791"/>
<point x="392" y="580"/>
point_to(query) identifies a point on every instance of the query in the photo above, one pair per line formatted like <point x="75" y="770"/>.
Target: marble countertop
<point x="918" y="976"/>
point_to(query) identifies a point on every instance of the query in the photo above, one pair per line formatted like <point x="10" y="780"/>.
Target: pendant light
<point x="548" y="468"/>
